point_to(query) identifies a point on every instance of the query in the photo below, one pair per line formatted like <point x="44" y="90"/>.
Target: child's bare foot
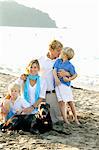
<point x="77" y="121"/>
<point x="67" y="122"/>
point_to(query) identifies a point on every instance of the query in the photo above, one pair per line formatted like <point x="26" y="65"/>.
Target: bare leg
<point x="69" y="113"/>
<point x="73" y="109"/>
<point x="63" y="111"/>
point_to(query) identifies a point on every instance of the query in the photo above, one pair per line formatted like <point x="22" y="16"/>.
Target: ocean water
<point x="18" y="45"/>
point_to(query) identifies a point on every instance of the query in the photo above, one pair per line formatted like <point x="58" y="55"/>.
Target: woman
<point x="34" y="87"/>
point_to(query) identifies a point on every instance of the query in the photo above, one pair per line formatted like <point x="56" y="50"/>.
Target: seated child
<point x="12" y="103"/>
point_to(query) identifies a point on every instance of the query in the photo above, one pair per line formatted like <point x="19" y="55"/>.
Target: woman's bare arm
<point x="32" y="107"/>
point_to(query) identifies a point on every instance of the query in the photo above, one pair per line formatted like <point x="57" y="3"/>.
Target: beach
<point x="69" y="137"/>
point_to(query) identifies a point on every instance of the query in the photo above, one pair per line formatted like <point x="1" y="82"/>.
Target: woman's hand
<point x="63" y="73"/>
<point x="23" y="77"/>
<point x="27" y="110"/>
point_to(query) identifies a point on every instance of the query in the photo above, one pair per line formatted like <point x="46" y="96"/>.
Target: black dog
<point x="34" y="123"/>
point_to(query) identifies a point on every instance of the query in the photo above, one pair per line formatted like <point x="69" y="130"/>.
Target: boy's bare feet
<point x="76" y="120"/>
<point x="67" y="122"/>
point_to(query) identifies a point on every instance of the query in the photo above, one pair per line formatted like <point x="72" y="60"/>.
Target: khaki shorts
<point x="54" y="107"/>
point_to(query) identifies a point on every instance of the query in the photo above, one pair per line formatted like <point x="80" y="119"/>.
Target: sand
<point x="70" y="137"/>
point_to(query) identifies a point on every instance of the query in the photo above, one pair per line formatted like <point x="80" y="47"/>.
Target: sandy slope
<point x="83" y="137"/>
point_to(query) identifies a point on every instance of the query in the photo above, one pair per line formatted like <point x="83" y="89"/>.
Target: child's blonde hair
<point x="35" y="61"/>
<point x="69" y="52"/>
<point x="55" y="44"/>
<point x="14" y="86"/>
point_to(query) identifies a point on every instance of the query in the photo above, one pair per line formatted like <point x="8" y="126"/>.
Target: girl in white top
<point x="13" y="103"/>
<point x="34" y="87"/>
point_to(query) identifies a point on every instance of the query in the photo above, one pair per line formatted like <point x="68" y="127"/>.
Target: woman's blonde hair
<point x="69" y="52"/>
<point x="55" y="44"/>
<point x="35" y="61"/>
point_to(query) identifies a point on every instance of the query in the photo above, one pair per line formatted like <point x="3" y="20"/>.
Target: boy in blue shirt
<point x="63" y="84"/>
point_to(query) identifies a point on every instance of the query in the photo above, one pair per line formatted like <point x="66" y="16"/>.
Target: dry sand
<point x="83" y="137"/>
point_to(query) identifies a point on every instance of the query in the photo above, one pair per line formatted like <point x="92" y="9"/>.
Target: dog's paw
<point x="34" y="131"/>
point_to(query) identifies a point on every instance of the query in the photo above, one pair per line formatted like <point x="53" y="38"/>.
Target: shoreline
<point x="85" y="136"/>
<point x="75" y="84"/>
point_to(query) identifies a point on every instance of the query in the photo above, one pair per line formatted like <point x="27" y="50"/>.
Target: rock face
<point x="14" y="14"/>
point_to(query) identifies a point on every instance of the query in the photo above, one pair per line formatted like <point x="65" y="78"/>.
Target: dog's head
<point x="43" y="109"/>
<point x="43" y="119"/>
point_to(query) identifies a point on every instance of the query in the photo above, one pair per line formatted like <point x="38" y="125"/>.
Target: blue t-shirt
<point x="67" y="66"/>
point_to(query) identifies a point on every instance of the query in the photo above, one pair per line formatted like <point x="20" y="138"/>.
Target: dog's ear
<point x="48" y="105"/>
<point x="40" y="104"/>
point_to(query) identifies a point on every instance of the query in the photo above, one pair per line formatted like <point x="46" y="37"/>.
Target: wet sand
<point x="70" y="137"/>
